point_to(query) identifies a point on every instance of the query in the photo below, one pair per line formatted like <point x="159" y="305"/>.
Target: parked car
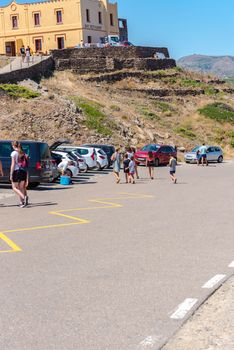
<point x="89" y="156"/>
<point x="126" y="43"/>
<point x="72" y="169"/>
<point x="108" y="149"/>
<point x="88" y="153"/>
<point x="102" y="160"/>
<point x="214" y="154"/>
<point x="81" y="161"/>
<point x="40" y="161"/>
<point x="161" y="153"/>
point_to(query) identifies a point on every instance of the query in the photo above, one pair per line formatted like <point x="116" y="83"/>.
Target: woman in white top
<point x="17" y="178"/>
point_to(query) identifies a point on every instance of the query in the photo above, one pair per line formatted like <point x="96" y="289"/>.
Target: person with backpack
<point x="23" y="164"/>
<point x="22" y="53"/>
<point x="18" y="176"/>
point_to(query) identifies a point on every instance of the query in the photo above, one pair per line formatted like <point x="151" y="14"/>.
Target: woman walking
<point x="23" y="164"/>
<point x="18" y="177"/>
<point x="116" y="164"/>
<point x="150" y="164"/>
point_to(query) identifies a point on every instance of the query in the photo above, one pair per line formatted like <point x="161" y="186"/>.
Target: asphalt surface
<point x="105" y="267"/>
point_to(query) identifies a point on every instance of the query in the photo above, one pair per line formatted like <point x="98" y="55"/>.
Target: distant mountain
<point x="222" y="66"/>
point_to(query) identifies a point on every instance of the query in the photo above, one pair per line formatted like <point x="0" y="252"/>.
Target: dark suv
<point x="108" y="149"/>
<point x="40" y="161"/>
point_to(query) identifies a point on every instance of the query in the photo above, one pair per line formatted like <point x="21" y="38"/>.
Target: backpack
<point x="23" y="161"/>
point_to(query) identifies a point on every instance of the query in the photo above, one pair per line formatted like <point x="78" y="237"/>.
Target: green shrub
<point x="163" y="106"/>
<point x="185" y="132"/>
<point x="115" y="108"/>
<point x="18" y="91"/>
<point x="219" y="112"/>
<point x="149" y="115"/>
<point x="95" y="119"/>
<point x="191" y="83"/>
<point x="209" y="91"/>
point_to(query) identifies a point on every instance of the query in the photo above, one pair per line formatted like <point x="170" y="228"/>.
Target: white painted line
<point x="184" y="308"/>
<point x="232" y="264"/>
<point x="213" y="281"/>
<point x="149" y="342"/>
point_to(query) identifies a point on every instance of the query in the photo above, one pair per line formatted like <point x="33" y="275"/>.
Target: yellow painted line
<point x="14" y="247"/>
<point x="78" y="221"/>
<point x="35" y="228"/>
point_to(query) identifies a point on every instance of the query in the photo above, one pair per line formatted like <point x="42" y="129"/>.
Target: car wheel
<point x="85" y="169"/>
<point x="99" y="166"/>
<point x="33" y="185"/>
<point x="220" y="159"/>
<point x="156" y="162"/>
<point x="69" y="173"/>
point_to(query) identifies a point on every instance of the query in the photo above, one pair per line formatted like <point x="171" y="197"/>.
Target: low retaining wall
<point x="35" y="72"/>
<point x="111" y="59"/>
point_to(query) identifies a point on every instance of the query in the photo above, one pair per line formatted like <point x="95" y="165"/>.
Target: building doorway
<point x="10" y="48"/>
<point x="60" y="42"/>
<point x="38" y="45"/>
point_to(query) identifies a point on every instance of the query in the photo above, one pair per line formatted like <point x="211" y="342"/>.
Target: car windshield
<point x="195" y="149"/>
<point x="115" y="39"/>
<point x="153" y="148"/>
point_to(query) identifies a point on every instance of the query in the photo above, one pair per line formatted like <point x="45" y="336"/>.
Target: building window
<point x="111" y="19"/>
<point x="60" y="42"/>
<point x="36" y="19"/>
<point x="89" y="39"/>
<point x="38" y="45"/>
<point x="87" y="15"/>
<point x="59" y="17"/>
<point x="99" y="17"/>
<point x="14" y="22"/>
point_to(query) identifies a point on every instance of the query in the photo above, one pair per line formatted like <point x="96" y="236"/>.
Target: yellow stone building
<point x="55" y="24"/>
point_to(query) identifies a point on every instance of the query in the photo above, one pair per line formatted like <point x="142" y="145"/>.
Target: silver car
<point x="214" y="154"/>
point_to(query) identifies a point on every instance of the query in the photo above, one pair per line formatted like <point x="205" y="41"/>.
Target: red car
<point x="161" y="153"/>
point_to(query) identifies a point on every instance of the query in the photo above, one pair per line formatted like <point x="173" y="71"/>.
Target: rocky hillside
<point x="125" y="107"/>
<point x="221" y="66"/>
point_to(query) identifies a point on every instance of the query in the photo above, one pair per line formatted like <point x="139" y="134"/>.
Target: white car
<point x="88" y="153"/>
<point x="214" y="154"/>
<point x="81" y="161"/>
<point x="72" y="169"/>
<point x="102" y="159"/>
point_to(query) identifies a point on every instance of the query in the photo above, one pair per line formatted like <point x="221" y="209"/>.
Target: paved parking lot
<point x="103" y="266"/>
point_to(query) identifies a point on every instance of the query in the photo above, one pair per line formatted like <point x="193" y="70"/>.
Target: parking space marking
<point x="105" y="203"/>
<point x="213" y="281"/>
<point x="14" y="247"/>
<point x="232" y="264"/>
<point x="184" y="308"/>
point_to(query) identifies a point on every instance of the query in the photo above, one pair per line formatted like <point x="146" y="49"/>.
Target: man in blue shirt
<point x="203" y="154"/>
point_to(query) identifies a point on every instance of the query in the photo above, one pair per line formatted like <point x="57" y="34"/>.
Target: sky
<point x="184" y="26"/>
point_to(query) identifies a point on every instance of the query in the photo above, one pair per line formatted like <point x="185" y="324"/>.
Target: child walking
<point x="172" y="165"/>
<point x="132" y="166"/>
<point x="126" y="167"/>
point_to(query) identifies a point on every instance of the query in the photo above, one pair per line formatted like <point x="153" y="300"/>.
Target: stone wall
<point x="111" y="59"/>
<point x="35" y="72"/>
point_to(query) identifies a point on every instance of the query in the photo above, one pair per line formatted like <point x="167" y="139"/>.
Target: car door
<point x="210" y="154"/>
<point x="163" y="155"/>
<point x="5" y="157"/>
<point x="217" y="153"/>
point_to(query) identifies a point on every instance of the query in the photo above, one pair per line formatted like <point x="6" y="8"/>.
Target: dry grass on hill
<point x="126" y="108"/>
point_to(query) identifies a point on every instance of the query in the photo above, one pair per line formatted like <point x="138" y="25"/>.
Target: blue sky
<point x="184" y="26"/>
